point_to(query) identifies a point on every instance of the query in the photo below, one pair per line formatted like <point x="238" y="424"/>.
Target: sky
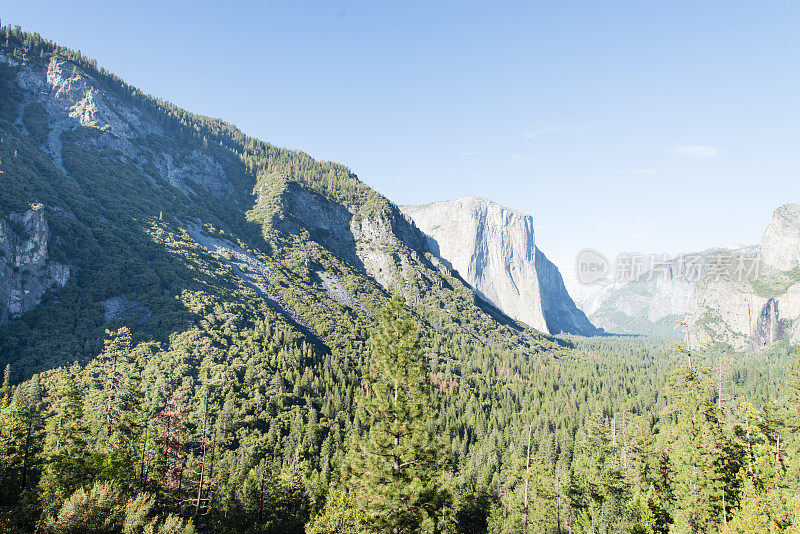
<point x="638" y="126"/>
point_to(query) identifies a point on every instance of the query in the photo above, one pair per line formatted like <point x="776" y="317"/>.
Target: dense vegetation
<point x="607" y="440"/>
<point x="209" y="409"/>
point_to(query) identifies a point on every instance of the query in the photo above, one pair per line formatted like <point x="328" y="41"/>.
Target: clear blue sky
<point x="653" y="126"/>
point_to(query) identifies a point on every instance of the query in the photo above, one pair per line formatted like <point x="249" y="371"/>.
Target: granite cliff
<point x="748" y="312"/>
<point x="493" y="248"/>
<point x="25" y="271"/>
<point x="755" y="312"/>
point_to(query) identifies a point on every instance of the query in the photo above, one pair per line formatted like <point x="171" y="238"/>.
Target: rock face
<point x="754" y="314"/>
<point x="25" y="272"/>
<point x="780" y="244"/>
<point x="648" y="305"/>
<point x="744" y="316"/>
<point x="383" y="245"/>
<point x="558" y="308"/>
<point x="74" y="109"/>
<point x="748" y="313"/>
<point x="71" y="97"/>
<point x="493" y="249"/>
<point x="172" y="219"/>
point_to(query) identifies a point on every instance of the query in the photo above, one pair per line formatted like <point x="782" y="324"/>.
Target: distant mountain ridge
<point x="650" y="304"/>
<point x="745" y="312"/>
<point x="754" y="314"/>
<point x="493" y="248"/>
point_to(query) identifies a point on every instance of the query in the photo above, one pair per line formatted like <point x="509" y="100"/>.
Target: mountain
<point x="249" y="277"/>
<point x="649" y="302"/>
<point x="493" y="248"/>
<point x="751" y="304"/>
<point x="194" y="337"/>
<point x="121" y="209"/>
<point x="758" y="311"/>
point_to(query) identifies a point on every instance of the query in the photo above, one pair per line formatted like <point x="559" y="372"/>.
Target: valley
<point x="203" y="332"/>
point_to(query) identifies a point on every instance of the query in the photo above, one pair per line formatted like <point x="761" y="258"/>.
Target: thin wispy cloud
<point x="694" y="151"/>
<point x="643" y="171"/>
<point x="544" y="131"/>
<point x="468" y="154"/>
<point x="517" y="157"/>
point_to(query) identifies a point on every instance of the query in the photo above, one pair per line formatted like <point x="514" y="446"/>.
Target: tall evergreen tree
<point x="28" y="403"/>
<point x="66" y="442"/>
<point x="5" y="391"/>
<point x="116" y="402"/>
<point x="398" y="465"/>
<point x="696" y="449"/>
<point x="597" y="488"/>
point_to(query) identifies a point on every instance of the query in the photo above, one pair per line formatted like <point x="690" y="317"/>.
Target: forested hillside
<point x="200" y="334"/>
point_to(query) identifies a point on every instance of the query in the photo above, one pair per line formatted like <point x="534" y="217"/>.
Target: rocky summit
<point x="493" y="248"/>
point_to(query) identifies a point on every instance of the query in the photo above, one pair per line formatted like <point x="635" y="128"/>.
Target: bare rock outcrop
<point x="71" y="98"/>
<point x="493" y="249"/>
<point x="780" y="244"/>
<point x="25" y="271"/>
<point x="384" y="244"/>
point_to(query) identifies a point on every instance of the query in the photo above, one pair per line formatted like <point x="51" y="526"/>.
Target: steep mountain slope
<point x="248" y="275"/>
<point x="121" y="209"/>
<point x="493" y="249"/>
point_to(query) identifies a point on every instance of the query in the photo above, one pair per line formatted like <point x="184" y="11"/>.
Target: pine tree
<point x="28" y="402"/>
<point x="398" y="464"/>
<point x="597" y="487"/>
<point x="117" y="402"/>
<point x="793" y="400"/>
<point x="65" y="449"/>
<point x="20" y="451"/>
<point x="172" y="454"/>
<point x="5" y="392"/>
<point x="696" y="449"/>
